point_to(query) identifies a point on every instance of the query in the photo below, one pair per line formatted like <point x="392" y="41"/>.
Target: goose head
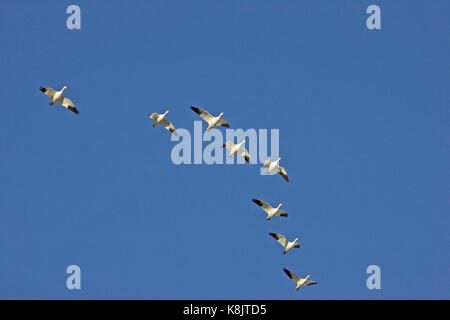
<point x="166" y="112"/>
<point x="64" y="88"/>
<point x="279" y="206"/>
<point x="243" y="141"/>
<point x="220" y="115"/>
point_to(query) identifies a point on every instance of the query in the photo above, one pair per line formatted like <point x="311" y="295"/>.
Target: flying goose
<point x="159" y="119"/>
<point x="274" y="167"/>
<point x="56" y="96"/>
<point x="299" y="281"/>
<point x="271" y="212"/>
<point x="286" y="244"/>
<point x="236" y="148"/>
<point x="212" y="121"/>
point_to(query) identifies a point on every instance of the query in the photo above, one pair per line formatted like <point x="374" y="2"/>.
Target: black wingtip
<point x="42" y="89"/>
<point x="258" y="202"/>
<point x="287" y="272"/>
<point x="196" y="110"/>
<point x="286" y="178"/>
<point x="74" y="110"/>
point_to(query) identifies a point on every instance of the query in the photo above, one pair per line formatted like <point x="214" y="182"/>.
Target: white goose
<point x="212" y="121"/>
<point x="159" y="119"/>
<point x="236" y="148"/>
<point x="299" y="281"/>
<point x="272" y="166"/>
<point x="57" y="96"/>
<point x="287" y="245"/>
<point x="271" y="212"/>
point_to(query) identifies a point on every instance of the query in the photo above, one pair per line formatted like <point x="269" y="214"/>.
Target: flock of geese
<point x="272" y="166"/>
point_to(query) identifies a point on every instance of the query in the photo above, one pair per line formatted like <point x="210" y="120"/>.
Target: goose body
<point x="299" y="281"/>
<point x="271" y="212"/>
<point x="236" y="148"/>
<point x="57" y="96"/>
<point x="273" y="167"/>
<point x="212" y="121"/>
<point x="160" y="119"/>
<point x="287" y="245"/>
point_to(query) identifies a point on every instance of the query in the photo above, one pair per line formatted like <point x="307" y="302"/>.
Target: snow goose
<point x="236" y="148"/>
<point x="159" y="119"/>
<point x="299" y="281"/>
<point x="271" y="212"/>
<point x="287" y="245"/>
<point x="272" y="166"/>
<point x="57" y="96"/>
<point x="212" y="121"/>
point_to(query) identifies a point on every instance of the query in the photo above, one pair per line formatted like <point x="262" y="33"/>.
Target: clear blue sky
<point x="363" y="118"/>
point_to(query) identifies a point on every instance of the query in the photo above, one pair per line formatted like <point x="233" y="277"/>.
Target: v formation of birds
<point x="272" y="166"/>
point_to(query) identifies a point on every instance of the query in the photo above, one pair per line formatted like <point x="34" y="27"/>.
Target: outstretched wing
<point x="169" y="126"/>
<point x="48" y="91"/>
<point x="244" y="153"/>
<point x="281" y="213"/>
<point x="69" y="105"/>
<point x="229" y="145"/>
<point x="203" y="114"/>
<point x="310" y="283"/>
<point x="282" y="240"/>
<point x="153" y="116"/>
<point x="291" y="275"/>
<point x="262" y="204"/>
<point x="283" y="173"/>
<point x="223" y="123"/>
<point x="266" y="163"/>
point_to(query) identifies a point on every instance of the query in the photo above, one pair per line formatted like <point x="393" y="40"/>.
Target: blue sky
<point x="363" y="118"/>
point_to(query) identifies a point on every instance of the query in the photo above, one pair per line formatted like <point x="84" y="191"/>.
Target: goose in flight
<point x="299" y="281"/>
<point x="212" y="121"/>
<point x="287" y="245"/>
<point x="159" y="119"/>
<point x="272" y="166"/>
<point x="271" y="212"/>
<point x="57" y="96"/>
<point x="236" y="148"/>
